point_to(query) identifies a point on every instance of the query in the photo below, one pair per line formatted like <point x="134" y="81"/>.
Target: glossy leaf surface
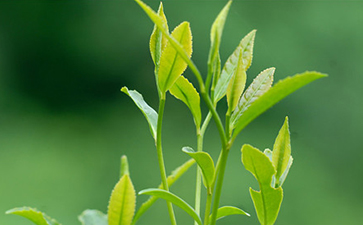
<point x="157" y="41"/>
<point x="174" y="176"/>
<point x="150" y="114"/>
<point x="121" y="207"/>
<point x="257" y="88"/>
<point x="170" y="197"/>
<point x="268" y="200"/>
<point x="276" y="93"/>
<point x="93" y="217"/>
<point x="185" y="91"/>
<point x="236" y="85"/>
<point x="205" y="163"/>
<point x="246" y="47"/>
<point x="282" y="151"/>
<point x="33" y="215"/>
<point x="228" y="211"/>
<point x="172" y="65"/>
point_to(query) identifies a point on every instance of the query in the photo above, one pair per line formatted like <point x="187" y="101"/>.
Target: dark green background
<point x="64" y="123"/>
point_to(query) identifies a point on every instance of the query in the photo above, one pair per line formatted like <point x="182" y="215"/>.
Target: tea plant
<point x="171" y="54"/>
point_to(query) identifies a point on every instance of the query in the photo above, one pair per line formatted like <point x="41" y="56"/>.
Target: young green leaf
<point x="276" y="93"/>
<point x="216" y="72"/>
<point x="228" y="211"/>
<point x="172" y="65"/>
<point x="93" y="217"/>
<point x="257" y="88"/>
<point x="184" y="90"/>
<point x="150" y="114"/>
<point x="157" y="41"/>
<point x="236" y="85"/>
<point x="121" y="207"/>
<point x="282" y="151"/>
<point x="268" y="200"/>
<point x="174" y="176"/>
<point x="205" y="163"/>
<point x="33" y="215"/>
<point x="216" y="32"/>
<point x="170" y="197"/>
<point x="284" y="175"/>
<point x="246" y="46"/>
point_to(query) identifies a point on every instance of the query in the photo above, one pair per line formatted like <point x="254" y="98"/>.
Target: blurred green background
<point x="64" y="123"/>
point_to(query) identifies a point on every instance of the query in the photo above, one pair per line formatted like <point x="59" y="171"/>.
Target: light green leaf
<point x="284" y="175"/>
<point x="257" y="88"/>
<point x="121" y="207"/>
<point x="282" y="151"/>
<point x="236" y="85"/>
<point x="170" y="197"/>
<point x="157" y="41"/>
<point x="175" y="175"/>
<point x="93" y="217"/>
<point x="228" y="211"/>
<point x="33" y="215"/>
<point x="124" y="168"/>
<point x="216" y="32"/>
<point x="246" y="46"/>
<point x="150" y="114"/>
<point x="268" y="200"/>
<point x="205" y="162"/>
<point x="172" y="65"/>
<point x="276" y="93"/>
<point x="216" y="73"/>
<point x="184" y="90"/>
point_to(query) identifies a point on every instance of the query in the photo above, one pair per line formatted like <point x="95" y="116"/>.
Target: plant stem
<point x="208" y="205"/>
<point x="161" y="157"/>
<point x="198" y="187"/>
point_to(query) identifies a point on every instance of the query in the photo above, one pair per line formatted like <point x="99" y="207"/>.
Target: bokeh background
<point x="64" y="123"/>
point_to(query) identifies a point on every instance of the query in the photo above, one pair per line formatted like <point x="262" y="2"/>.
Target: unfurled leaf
<point x="276" y="93"/>
<point x="246" y="46"/>
<point x="228" y="211"/>
<point x="205" y="163"/>
<point x="175" y="175"/>
<point x="236" y="85"/>
<point x="121" y="207"/>
<point x="216" y="32"/>
<point x="282" y="151"/>
<point x="257" y="88"/>
<point x="157" y="41"/>
<point x="150" y="114"/>
<point x="33" y="215"/>
<point x="172" y="65"/>
<point x="93" y="217"/>
<point x="216" y="72"/>
<point x="170" y="197"/>
<point x="184" y="90"/>
<point x="268" y="200"/>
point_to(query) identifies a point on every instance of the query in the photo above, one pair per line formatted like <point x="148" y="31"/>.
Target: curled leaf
<point x="228" y="211"/>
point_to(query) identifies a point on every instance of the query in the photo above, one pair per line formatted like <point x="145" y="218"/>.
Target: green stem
<point x="161" y="157"/>
<point x="207" y="208"/>
<point x="198" y="187"/>
<point x="218" y="190"/>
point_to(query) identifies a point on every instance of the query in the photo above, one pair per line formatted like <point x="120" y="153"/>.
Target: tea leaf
<point x="170" y="197"/>
<point x="33" y="215"/>
<point x="246" y="46"/>
<point x="121" y="207"/>
<point x="172" y="65"/>
<point x="174" y="176"/>
<point x="216" y="32"/>
<point x="93" y="217"/>
<point x="205" y="162"/>
<point x="257" y="88"/>
<point x="284" y="175"/>
<point x="184" y="90"/>
<point x="150" y="114"/>
<point x="276" y="93"/>
<point x="282" y="151"/>
<point x="268" y="200"/>
<point x="236" y="85"/>
<point x="228" y="211"/>
<point x="157" y="41"/>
